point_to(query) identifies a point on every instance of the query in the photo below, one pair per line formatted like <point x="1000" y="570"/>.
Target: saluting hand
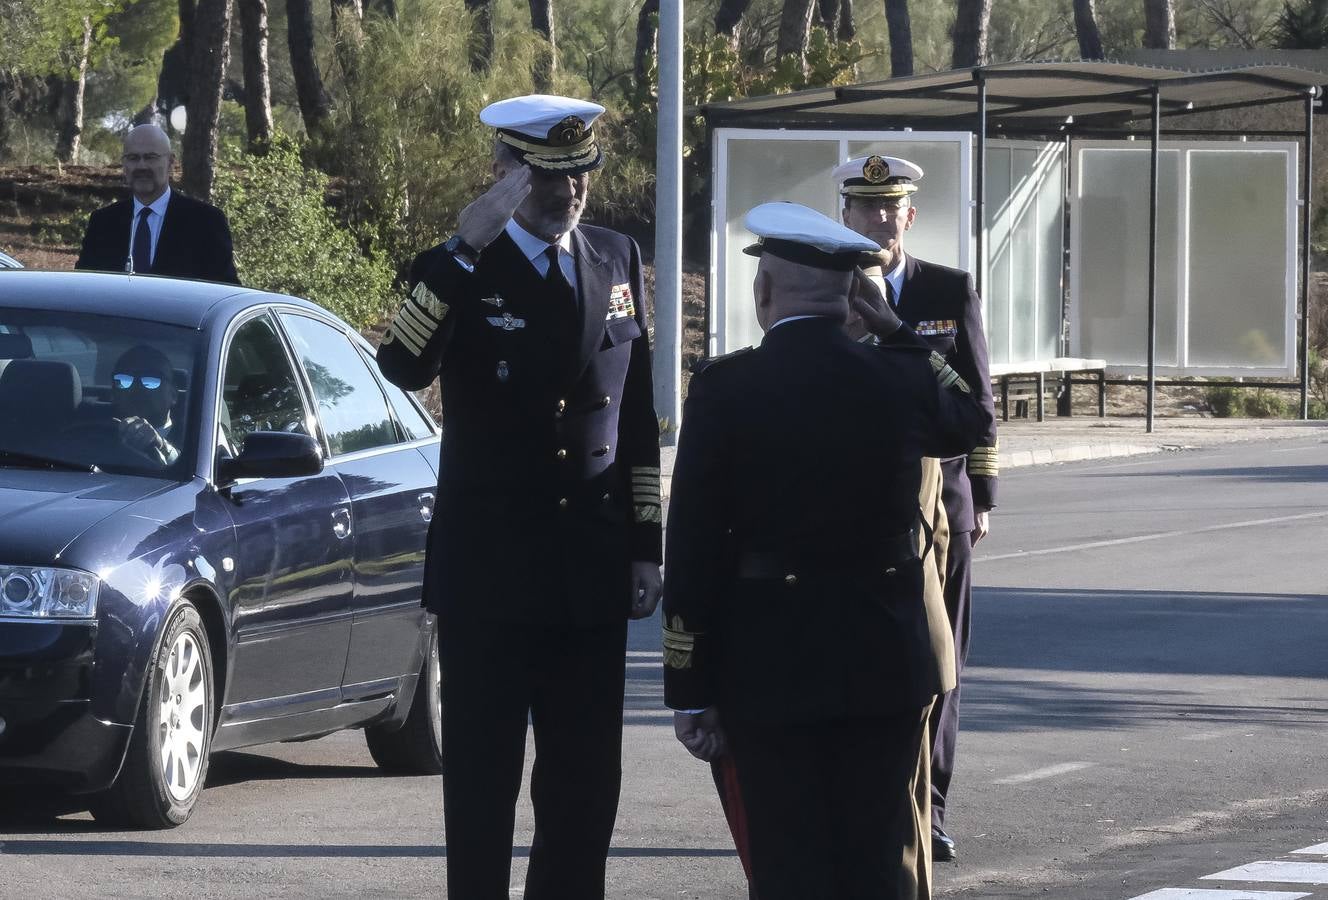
<point x="487" y="215"/>
<point x="867" y="301"/>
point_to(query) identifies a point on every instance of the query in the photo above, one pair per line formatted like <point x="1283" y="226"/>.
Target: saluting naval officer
<point x="942" y="306"/>
<point x="547" y="534"/>
<point x="795" y="635"/>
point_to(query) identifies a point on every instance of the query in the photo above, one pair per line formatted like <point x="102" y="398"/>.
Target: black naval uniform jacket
<point x="779" y="604"/>
<point x="943" y="308"/>
<point x="195" y="241"/>
<point x="548" y="482"/>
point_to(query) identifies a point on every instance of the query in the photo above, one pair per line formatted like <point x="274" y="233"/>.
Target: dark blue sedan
<point x="212" y="526"/>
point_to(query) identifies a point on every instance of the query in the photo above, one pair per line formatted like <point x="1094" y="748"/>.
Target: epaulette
<point x="702" y="364"/>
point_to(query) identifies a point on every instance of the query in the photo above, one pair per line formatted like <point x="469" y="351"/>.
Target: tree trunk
<point x="901" y="37"/>
<point x="1159" y="25"/>
<point x="1085" y="29"/>
<point x="728" y="18"/>
<point x="72" y="91"/>
<point x="315" y="107"/>
<point x="481" y="34"/>
<point x="347" y="18"/>
<point x="211" y="43"/>
<point x="847" y="29"/>
<point x="970" y="34"/>
<point x="795" y="25"/>
<point x="647" y="42"/>
<point x="541" y="19"/>
<point x="257" y="82"/>
<point x="7" y="91"/>
<point x="387" y="8"/>
<point x="827" y="15"/>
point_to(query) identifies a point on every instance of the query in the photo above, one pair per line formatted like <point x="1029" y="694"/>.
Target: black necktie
<point x="555" y="277"/>
<point x="143" y="243"/>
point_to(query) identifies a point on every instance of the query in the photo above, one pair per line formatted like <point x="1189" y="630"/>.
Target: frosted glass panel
<point x="1112" y="255"/>
<point x="1023" y="257"/>
<point x="997" y="285"/>
<point x="935" y="232"/>
<point x="1238" y="259"/>
<point x="760" y="171"/>
<point x="1051" y="261"/>
<point x="1025" y="245"/>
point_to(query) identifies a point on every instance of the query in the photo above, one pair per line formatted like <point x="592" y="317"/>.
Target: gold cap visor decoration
<point x="878" y="177"/>
<point x="554" y="134"/>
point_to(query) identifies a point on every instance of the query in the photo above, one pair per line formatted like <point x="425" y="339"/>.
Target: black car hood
<point x="43" y="511"/>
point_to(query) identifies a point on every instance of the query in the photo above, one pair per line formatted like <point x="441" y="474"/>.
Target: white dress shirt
<point x="533" y="247"/>
<point x="155" y="218"/>
<point x="896" y="278"/>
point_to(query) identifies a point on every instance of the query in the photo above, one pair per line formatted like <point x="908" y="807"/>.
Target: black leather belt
<point x="893" y="550"/>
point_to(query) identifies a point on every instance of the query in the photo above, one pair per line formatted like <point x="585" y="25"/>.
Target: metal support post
<point x="668" y="225"/>
<point x="1152" y="256"/>
<point x="980" y="189"/>
<point x="1306" y="226"/>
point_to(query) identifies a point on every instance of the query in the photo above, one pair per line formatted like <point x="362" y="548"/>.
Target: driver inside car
<point x="143" y="393"/>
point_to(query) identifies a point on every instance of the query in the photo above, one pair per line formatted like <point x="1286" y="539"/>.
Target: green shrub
<point x="1225" y="402"/>
<point x="1264" y="404"/>
<point x="287" y="240"/>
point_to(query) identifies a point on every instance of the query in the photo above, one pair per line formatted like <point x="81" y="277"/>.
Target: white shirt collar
<point x="793" y="319"/>
<point x="158" y="206"/>
<point x="531" y="245"/>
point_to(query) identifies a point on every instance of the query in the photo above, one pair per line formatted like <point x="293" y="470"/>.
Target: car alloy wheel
<point x="183" y="702"/>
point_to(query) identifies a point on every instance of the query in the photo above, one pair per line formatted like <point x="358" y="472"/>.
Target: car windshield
<point x="78" y="391"/>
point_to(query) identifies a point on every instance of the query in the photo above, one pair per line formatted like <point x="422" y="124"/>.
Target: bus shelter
<point x="1097" y="222"/>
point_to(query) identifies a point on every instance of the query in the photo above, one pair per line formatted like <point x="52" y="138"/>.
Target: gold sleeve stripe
<point x="408" y="329"/>
<point x="409" y="341"/>
<point x="645" y="470"/>
<point x="984" y="461"/>
<point x="646" y="514"/>
<point x="678" y="644"/>
<point x="428" y="301"/>
<point x="423" y="324"/>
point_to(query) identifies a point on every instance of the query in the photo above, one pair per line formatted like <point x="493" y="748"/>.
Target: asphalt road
<point x="1146" y="704"/>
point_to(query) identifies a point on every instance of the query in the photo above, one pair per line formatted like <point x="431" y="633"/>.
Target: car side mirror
<point x="272" y="454"/>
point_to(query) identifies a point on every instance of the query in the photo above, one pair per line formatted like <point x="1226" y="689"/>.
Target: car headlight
<point x="47" y="593"/>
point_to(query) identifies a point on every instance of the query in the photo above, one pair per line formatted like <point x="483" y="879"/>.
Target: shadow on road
<point x="235" y="767"/>
<point x="1283" y="474"/>
<point x="302" y="851"/>
<point x="1140" y="633"/>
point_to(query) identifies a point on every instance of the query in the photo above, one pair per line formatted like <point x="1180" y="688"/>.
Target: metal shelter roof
<point x="1026" y="94"/>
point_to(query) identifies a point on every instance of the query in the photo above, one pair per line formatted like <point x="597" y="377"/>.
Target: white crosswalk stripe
<point x="1276" y="872"/>
<point x="1267" y="880"/>
<point x="1206" y="894"/>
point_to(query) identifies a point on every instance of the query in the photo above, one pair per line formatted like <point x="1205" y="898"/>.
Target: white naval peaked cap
<point x="547" y="132"/>
<point x="877" y="176"/>
<point x="799" y="234"/>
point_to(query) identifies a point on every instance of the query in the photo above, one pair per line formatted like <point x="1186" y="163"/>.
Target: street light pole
<point x="668" y="225"/>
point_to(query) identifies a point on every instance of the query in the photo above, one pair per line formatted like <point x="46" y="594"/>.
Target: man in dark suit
<point x="547" y="535"/>
<point x="157" y="231"/>
<point x="942" y="306"/>
<point x="795" y="633"/>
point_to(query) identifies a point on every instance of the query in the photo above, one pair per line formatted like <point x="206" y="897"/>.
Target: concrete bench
<point x="1030" y="379"/>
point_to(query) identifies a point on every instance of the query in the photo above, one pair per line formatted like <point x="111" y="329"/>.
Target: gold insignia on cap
<point x="570" y="130"/>
<point x="876" y="170"/>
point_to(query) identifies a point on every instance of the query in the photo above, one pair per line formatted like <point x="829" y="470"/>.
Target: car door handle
<point x="426" y="506"/>
<point x="341" y="522"/>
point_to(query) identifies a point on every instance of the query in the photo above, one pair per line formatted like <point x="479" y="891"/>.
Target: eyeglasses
<point x="135" y="158"/>
<point x="124" y="381"/>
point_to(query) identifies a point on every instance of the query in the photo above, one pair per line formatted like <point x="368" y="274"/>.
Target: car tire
<point x="415" y="747"/>
<point x="167" y="762"/>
